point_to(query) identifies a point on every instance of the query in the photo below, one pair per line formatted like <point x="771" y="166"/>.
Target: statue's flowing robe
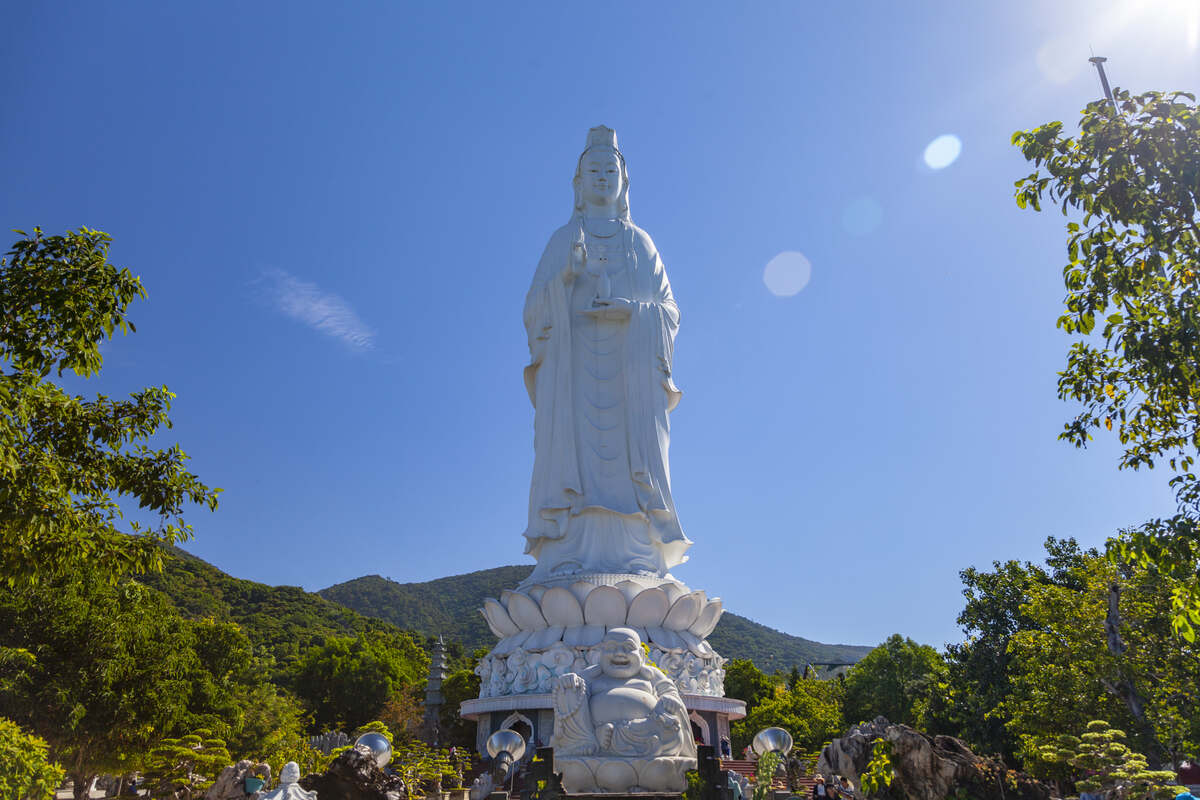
<point x="558" y="493"/>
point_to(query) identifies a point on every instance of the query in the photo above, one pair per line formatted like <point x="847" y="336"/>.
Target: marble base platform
<point x="592" y="774"/>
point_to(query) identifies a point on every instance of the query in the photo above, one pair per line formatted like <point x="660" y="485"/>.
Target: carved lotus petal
<point x="605" y="606"/>
<point x="536" y="591"/>
<point x="629" y="589"/>
<point x="684" y="611"/>
<point x="708" y="619"/>
<point x="510" y="643"/>
<point x="674" y="591"/>
<point x="584" y="635"/>
<point x="540" y="640"/>
<point x="649" y="609"/>
<point x="498" y="619"/>
<point x="524" y="611"/>
<point x="560" y="607"/>
<point x="697" y="645"/>
<point x="667" y="640"/>
<point x="640" y="631"/>
<point x="581" y="589"/>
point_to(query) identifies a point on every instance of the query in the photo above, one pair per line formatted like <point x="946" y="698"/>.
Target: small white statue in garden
<point x="289" y="785"/>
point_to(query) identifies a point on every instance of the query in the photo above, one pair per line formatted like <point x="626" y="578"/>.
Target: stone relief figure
<point x="484" y="670"/>
<point x="500" y="679"/>
<point x="601" y="322"/>
<point x="523" y="672"/>
<point x="558" y="661"/>
<point x="621" y="706"/>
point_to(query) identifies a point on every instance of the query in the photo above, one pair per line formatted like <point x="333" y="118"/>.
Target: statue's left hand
<point x="613" y="307"/>
<point x="669" y="705"/>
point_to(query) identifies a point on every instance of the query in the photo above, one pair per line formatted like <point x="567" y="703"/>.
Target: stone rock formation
<point x="353" y="775"/>
<point x="231" y="783"/>
<point x="927" y="767"/>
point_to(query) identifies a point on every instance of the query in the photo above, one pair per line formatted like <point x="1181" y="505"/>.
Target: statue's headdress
<point x="601" y="137"/>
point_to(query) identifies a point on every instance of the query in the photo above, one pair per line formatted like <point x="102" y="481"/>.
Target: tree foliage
<point x="979" y="669"/>
<point x="877" y="777"/>
<point x="67" y="463"/>
<point x="1099" y="762"/>
<point x="105" y="669"/>
<point x="1098" y="642"/>
<point x="25" y="771"/>
<point x="281" y="622"/>
<point x="747" y="682"/>
<point x="1130" y="182"/>
<point x="896" y="680"/>
<point x="348" y="680"/>
<point x="810" y="710"/>
<point x="459" y="685"/>
<point x="185" y="766"/>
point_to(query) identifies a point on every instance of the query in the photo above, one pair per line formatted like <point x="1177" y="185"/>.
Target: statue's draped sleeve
<point x="556" y="484"/>
<point x="651" y="393"/>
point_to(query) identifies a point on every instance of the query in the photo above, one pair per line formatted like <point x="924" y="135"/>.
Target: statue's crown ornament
<point x="600" y="136"/>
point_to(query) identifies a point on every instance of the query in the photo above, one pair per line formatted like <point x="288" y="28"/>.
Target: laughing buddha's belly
<point x="622" y="703"/>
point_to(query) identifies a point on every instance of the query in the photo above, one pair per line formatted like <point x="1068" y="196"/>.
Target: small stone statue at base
<point x="621" y="726"/>
<point x="289" y="785"/>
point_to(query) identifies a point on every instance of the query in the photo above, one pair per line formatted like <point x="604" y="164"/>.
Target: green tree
<point x="273" y="728"/>
<point x="1100" y="762"/>
<point x="978" y="669"/>
<point x="348" y="680"/>
<point x="185" y="766"/>
<point x="1132" y="180"/>
<point x="895" y="680"/>
<point x="459" y="685"/>
<point x="100" y="670"/>
<point x="1100" y="642"/>
<point x="67" y="463"/>
<point x="811" y="712"/>
<point x="747" y="682"/>
<point x="25" y="771"/>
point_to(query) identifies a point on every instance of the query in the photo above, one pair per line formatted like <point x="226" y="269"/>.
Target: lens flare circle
<point x="787" y="273"/>
<point x="943" y="151"/>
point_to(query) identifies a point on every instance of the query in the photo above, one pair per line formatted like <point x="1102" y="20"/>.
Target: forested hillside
<point x="450" y="606"/>
<point x="286" y="620"/>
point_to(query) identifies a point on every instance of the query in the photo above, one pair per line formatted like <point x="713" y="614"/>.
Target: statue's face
<point x="620" y="658"/>
<point x="601" y="176"/>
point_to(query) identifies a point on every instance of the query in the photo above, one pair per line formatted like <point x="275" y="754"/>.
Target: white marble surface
<point x="601" y="323"/>
<point x="621" y="725"/>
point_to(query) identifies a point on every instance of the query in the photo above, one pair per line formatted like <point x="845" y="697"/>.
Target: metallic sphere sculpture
<point x="772" y="740"/>
<point x="376" y="746"/>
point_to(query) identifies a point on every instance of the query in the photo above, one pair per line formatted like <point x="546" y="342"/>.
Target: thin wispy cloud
<point x="317" y="308"/>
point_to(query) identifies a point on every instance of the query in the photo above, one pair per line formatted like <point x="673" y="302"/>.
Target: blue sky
<point x="337" y="209"/>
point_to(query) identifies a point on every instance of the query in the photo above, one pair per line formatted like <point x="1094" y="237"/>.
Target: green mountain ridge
<point x="283" y="621"/>
<point x="450" y="606"/>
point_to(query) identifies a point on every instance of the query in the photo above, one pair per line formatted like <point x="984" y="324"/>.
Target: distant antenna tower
<point x="1099" y="62"/>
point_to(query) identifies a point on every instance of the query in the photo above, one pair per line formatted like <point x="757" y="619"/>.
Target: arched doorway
<point x="700" y="731"/>
<point x="521" y="724"/>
